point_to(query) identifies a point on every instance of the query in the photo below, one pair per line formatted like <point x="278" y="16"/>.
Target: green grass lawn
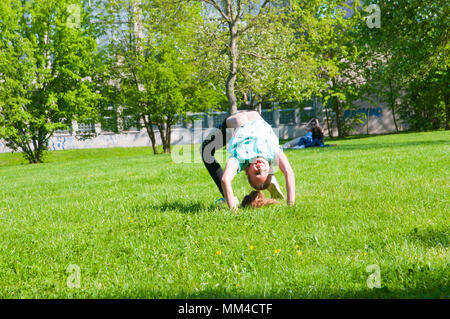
<point x="140" y="226"/>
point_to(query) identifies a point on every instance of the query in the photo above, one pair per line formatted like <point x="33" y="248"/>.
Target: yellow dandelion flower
<point x="296" y="246"/>
<point x="219" y="252"/>
<point x="276" y="251"/>
<point x="299" y="253"/>
<point x="252" y="247"/>
<point x="364" y="253"/>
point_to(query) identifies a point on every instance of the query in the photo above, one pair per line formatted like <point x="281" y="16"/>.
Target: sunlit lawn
<point x="141" y="226"/>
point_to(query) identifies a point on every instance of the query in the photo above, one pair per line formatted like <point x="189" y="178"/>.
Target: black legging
<point x="216" y="140"/>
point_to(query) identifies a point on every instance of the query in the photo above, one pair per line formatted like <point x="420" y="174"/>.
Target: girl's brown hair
<point x="318" y="128"/>
<point x="256" y="199"/>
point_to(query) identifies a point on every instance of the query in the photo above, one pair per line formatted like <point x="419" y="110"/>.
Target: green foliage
<point x="153" y="59"/>
<point x="330" y="28"/>
<point x="166" y="59"/>
<point x="407" y="62"/>
<point x="425" y="102"/>
<point x="45" y="71"/>
<point x="286" y="51"/>
<point x="253" y="48"/>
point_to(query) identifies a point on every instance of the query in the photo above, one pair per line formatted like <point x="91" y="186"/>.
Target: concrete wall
<point x="136" y="139"/>
<point x="3" y="148"/>
<point x="380" y="120"/>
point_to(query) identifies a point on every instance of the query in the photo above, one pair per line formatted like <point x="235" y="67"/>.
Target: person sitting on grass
<point x="254" y="148"/>
<point x="313" y="137"/>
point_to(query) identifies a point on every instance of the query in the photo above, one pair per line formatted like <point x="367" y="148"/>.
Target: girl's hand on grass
<point x="228" y="175"/>
<point x="289" y="176"/>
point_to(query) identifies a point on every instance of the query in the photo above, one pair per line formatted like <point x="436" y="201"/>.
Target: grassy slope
<point x="139" y="226"/>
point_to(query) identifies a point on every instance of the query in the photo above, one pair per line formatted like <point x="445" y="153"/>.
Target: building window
<point x="287" y="117"/>
<point x="66" y="131"/>
<point x="198" y="117"/>
<point x="267" y="115"/>
<point x="219" y="118"/>
<point x="109" y="124"/>
<point x="178" y="122"/>
<point x="131" y="123"/>
<point x="86" y="127"/>
<point x="109" y="119"/>
<point x="307" y="114"/>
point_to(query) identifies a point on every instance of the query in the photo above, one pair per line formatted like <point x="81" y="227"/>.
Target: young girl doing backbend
<point x="254" y="148"/>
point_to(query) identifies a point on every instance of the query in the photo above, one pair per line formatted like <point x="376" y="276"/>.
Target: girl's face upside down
<point x="259" y="172"/>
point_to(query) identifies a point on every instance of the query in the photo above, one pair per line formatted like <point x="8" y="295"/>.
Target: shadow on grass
<point x="440" y="292"/>
<point x="375" y="293"/>
<point x="377" y="146"/>
<point x="362" y="136"/>
<point x="431" y="237"/>
<point x="177" y="206"/>
<point x="392" y="145"/>
<point x="335" y="139"/>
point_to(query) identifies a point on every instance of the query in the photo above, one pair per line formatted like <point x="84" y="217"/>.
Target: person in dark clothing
<point x="317" y="133"/>
<point x="313" y="137"/>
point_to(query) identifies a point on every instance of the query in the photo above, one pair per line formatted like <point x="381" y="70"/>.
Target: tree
<point x="251" y="44"/>
<point x="408" y="62"/>
<point x="274" y="64"/>
<point x="153" y="55"/>
<point x="329" y="28"/>
<point x="46" y="65"/>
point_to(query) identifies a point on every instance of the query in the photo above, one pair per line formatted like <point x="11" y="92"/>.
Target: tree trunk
<point x="31" y="155"/>
<point x="168" y="138"/>
<point x="258" y="108"/>
<point x="162" y="133"/>
<point x="447" y="112"/>
<point x="392" y="102"/>
<point x="330" y="131"/>
<point x="31" y="158"/>
<point x="231" y="80"/>
<point x="151" y="133"/>
<point x="37" y="151"/>
<point x="40" y="148"/>
<point x="38" y="156"/>
<point x="368" y="119"/>
<point x="337" y="111"/>
<point x="165" y="131"/>
<point x="446" y="101"/>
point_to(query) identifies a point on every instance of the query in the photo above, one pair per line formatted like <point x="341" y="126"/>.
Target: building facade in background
<point x="289" y="123"/>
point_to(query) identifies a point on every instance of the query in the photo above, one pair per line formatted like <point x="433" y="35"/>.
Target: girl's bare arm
<point x="228" y="175"/>
<point x="289" y="176"/>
